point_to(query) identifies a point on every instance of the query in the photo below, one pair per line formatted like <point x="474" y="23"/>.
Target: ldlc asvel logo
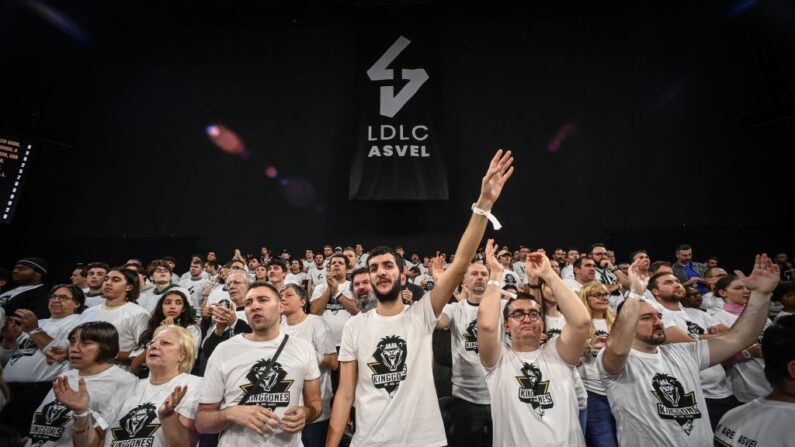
<point x="391" y="103"/>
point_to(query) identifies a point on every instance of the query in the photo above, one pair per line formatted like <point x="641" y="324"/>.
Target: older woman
<point x="91" y="346"/>
<point x="26" y="339"/>
<point x="173" y="307"/>
<point x="600" y="429"/>
<point x="156" y="412"/>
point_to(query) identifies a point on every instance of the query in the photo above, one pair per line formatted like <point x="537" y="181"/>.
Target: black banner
<point x="14" y="165"/>
<point x="398" y="154"/>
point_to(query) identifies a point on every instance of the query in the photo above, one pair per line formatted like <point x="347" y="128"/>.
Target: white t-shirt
<point x="747" y="378"/>
<point x="148" y="300"/>
<point x="711" y="303"/>
<point x="317" y="275"/>
<point x="135" y="421"/>
<point x="533" y="399"/>
<point x="513" y="279"/>
<point x="28" y="363"/>
<point x="521" y="269"/>
<point x="52" y="421"/>
<point x="362" y="261"/>
<point x="588" y="370"/>
<point x="394" y="389"/>
<point x="316" y="331"/>
<point x="758" y="423"/>
<point x="425" y="281"/>
<point x="657" y="398"/>
<point x="196" y="289"/>
<point x="567" y="272"/>
<point x="219" y="295"/>
<point x="554" y="325"/>
<point x="573" y="284"/>
<point x="335" y="313"/>
<point x="234" y="367"/>
<point x="295" y="278"/>
<point x="129" y="319"/>
<point x="695" y="322"/>
<point x="469" y="383"/>
<point x="94" y="300"/>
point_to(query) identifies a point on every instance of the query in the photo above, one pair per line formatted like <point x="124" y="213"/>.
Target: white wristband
<point x="493" y="219"/>
<point x="494" y="282"/>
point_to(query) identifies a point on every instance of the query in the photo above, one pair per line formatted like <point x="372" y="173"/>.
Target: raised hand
<point x="437" y="267"/>
<point x="293" y="420"/>
<point x="500" y="170"/>
<point x="27" y="319"/>
<point x="491" y="259"/>
<point x="537" y="264"/>
<point x="764" y="277"/>
<point x="635" y="283"/>
<point x="77" y="401"/>
<point x="171" y="402"/>
<point x="56" y="354"/>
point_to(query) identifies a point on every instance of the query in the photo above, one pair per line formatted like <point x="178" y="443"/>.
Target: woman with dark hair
<point x="26" y="339"/>
<point x="121" y="289"/>
<point x="155" y="412"/>
<point x="172" y="308"/>
<point x="91" y="346"/>
<point x="746" y="370"/>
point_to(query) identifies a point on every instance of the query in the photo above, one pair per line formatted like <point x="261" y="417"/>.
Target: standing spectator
<point x="95" y="279"/>
<point x="689" y="272"/>
<point x="29" y="293"/>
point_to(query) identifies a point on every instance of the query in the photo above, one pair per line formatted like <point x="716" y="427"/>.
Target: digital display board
<point x="15" y="155"/>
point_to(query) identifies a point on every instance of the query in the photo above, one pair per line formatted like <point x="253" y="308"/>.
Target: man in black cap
<point x="29" y="293"/>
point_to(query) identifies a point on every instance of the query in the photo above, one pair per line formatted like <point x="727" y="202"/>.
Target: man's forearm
<point x="752" y="321"/>
<point x="340" y="412"/>
<point x="211" y="421"/>
<point x="177" y="435"/>
<point x="317" y="306"/>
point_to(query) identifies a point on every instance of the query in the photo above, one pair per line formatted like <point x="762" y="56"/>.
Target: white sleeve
<point x="190" y="403"/>
<point x="424" y="311"/>
<point x="312" y="368"/>
<point x="348" y="343"/>
<point x="138" y="325"/>
<point x="213" y="383"/>
<point x="318" y="291"/>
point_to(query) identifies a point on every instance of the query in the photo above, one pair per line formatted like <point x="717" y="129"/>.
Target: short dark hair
<point x="278" y="262"/>
<point x="342" y="256"/>
<point x="682" y="247"/>
<point x="384" y="250"/>
<point x="778" y="349"/>
<point x="83" y="270"/>
<point x="723" y="284"/>
<point x="97" y="265"/>
<point x="101" y="332"/>
<point x="170" y="258"/>
<point x="77" y="295"/>
<point x="596" y="245"/>
<point x="653" y="280"/>
<point x="635" y="253"/>
<point x="578" y="262"/>
<point x="657" y="264"/>
<point x="155" y="264"/>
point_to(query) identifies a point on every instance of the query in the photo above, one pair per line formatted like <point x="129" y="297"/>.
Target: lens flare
<point x="226" y="140"/>
<point x="564" y="133"/>
<point x="271" y="172"/>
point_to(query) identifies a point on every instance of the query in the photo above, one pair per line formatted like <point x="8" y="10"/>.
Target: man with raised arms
<point x="386" y="353"/>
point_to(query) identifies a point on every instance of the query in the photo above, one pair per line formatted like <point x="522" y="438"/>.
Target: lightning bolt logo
<point x="391" y="103"/>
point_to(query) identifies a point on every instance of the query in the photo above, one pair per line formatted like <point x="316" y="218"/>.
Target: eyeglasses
<point x="518" y="315"/>
<point x="599" y="295"/>
<point x="60" y="298"/>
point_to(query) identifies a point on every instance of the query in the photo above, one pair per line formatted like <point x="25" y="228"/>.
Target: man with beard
<point x="362" y="289"/>
<point x="654" y="389"/>
<point x="29" y="293"/>
<point x="386" y="354"/>
<point x="471" y="400"/>
<point x="332" y="300"/>
<point x="283" y="404"/>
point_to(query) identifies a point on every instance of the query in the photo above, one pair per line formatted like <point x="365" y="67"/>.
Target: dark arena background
<point x="638" y="124"/>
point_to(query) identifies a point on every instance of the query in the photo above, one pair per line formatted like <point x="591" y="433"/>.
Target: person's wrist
<point x="484" y="204"/>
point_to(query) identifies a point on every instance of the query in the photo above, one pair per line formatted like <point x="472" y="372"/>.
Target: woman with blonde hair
<point x="600" y="429"/>
<point x="158" y="411"/>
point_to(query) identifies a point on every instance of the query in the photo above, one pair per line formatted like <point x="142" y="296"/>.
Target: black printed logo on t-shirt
<point x="471" y="336"/>
<point x="694" y="329"/>
<point x="389" y="367"/>
<point x="48" y="424"/>
<point x="553" y="333"/>
<point x="25" y="349"/>
<point x="136" y="428"/>
<point x="533" y="389"/>
<point x="673" y="403"/>
<point x="334" y="304"/>
<point x="510" y="279"/>
<point x="274" y="391"/>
